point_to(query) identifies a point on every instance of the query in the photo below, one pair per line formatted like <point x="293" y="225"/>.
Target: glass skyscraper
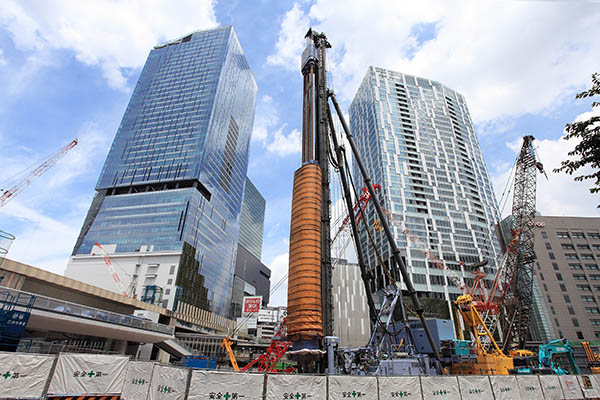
<point x="252" y="222"/>
<point x="174" y="176"/>
<point x="418" y="142"/>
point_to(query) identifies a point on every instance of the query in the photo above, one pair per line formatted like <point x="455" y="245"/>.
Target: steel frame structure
<point x="518" y="276"/>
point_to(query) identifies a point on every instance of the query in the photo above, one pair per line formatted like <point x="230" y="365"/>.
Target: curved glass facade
<point x="174" y="176"/>
<point x="418" y="142"/>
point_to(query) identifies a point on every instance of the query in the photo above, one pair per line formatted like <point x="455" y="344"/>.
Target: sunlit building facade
<point x="174" y="177"/>
<point x="418" y="142"/>
<point x="252" y="222"/>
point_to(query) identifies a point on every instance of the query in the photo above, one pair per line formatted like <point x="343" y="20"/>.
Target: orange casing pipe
<point x="304" y="318"/>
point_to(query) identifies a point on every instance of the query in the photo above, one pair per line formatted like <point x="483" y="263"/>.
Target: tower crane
<point x="40" y="169"/>
<point x="518" y="271"/>
<point x="130" y="290"/>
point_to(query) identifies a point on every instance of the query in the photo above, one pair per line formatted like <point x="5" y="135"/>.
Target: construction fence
<point x="92" y="376"/>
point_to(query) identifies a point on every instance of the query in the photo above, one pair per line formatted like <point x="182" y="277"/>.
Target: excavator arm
<point x="226" y="343"/>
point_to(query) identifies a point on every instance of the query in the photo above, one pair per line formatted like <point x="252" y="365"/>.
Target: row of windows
<point x="574" y="235"/>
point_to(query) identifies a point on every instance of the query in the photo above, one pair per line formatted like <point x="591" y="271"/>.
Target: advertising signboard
<point x="251" y="305"/>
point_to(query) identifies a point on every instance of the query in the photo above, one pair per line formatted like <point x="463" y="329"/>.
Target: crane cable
<point x="243" y="322"/>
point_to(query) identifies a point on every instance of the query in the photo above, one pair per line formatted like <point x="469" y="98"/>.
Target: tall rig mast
<point x="315" y="95"/>
<point x="518" y="278"/>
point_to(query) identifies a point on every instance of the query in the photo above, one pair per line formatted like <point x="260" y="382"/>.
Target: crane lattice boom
<point x="114" y="274"/>
<point x="10" y="193"/>
<point x="518" y="277"/>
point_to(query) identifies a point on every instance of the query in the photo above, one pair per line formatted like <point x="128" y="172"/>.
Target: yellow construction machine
<point x="492" y="362"/>
<point x="593" y="358"/>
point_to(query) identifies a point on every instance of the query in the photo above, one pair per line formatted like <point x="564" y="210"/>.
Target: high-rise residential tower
<point x="418" y="142"/>
<point x="173" y="180"/>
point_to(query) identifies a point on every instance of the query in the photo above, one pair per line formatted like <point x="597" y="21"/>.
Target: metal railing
<point x="64" y="307"/>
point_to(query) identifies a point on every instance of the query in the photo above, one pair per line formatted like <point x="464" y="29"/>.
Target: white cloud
<point x="284" y="145"/>
<point x="47" y="215"/>
<point x="507" y="58"/>
<point x="2" y="59"/>
<point x="559" y="195"/>
<point x="44" y="242"/>
<point x="92" y="147"/>
<point x="289" y="45"/>
<point x="116" y="36"/>
<point x="266" y="118"/>
<point x="279" y="270"/>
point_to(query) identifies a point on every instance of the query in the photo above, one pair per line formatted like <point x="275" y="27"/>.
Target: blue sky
<point x="67" y="69"/>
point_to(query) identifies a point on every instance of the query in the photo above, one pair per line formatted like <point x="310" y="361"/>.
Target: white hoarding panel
<point x="168" y="383"/>
<point x="440" y="387"/>
<point x="505" y="387"/>
<point x="296" y="387"/>
<point x="226" y="386"/>
<point x="570" y="387"/>
<point x="529" y="387"/>
<point x="79" y="374"/>
<point x="589" y="386"/>
<point x="352" y="387"/>
<point x="401" y="387"/>
<point x="551" y="387"/>
<point x="24" y="375"/>
<point x="475" y="387"/>
<point x="137" y="380"/>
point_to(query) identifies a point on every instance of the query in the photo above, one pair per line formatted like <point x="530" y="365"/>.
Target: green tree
<point x="587" y="152"/>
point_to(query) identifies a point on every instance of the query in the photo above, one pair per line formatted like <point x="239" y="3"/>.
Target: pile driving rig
<point x="309" y="284"/>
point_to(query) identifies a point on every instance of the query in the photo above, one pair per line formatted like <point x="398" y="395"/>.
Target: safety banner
<point x="440" y="387"/>
<point x="589" y="386"/>
<point x="475" y="387"/>
<point x="296" y="387"/>
<point x="399" y="387"/>
<point x="570" y="387"/>
<point x="352" y="387"/>
<point x="226" y="386"/>
<point x="551" y="387"/>
<point x="88" y="374"/>
<point x="505" y="387"/>
<point x="137" y="380"/>
<point x="24" y="375"/>
<point x="529" y="387"/>
<point x="168" y="383"/>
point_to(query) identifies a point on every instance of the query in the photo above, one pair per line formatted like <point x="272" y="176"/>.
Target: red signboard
<point x="252" y="304"/>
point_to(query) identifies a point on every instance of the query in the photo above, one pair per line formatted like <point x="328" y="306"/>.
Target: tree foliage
<point x="587" y="152"/>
